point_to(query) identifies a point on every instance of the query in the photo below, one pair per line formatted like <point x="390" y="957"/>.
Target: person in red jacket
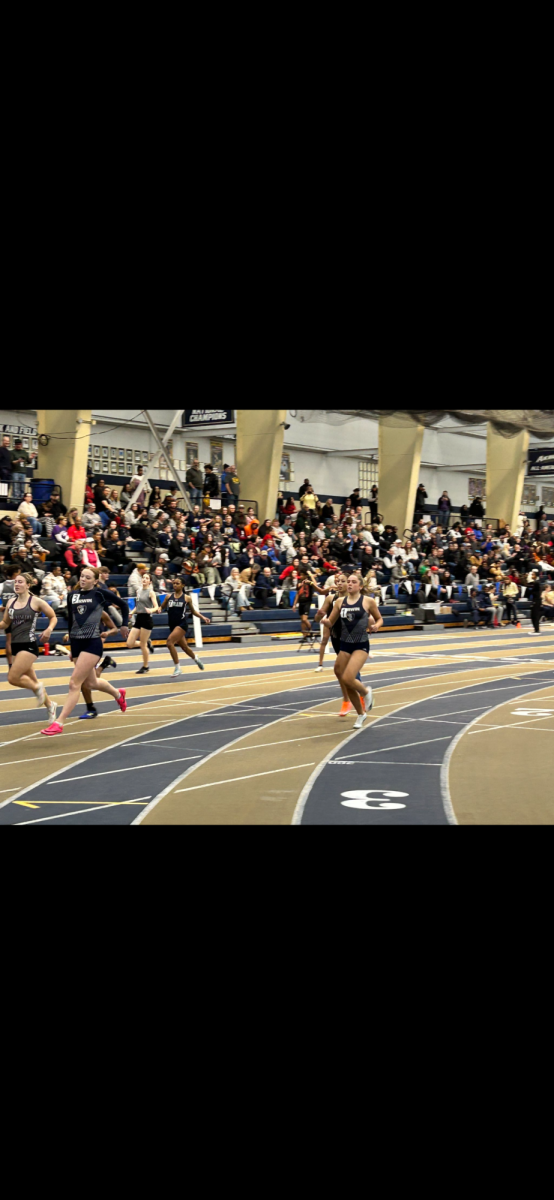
<point x="76" y="533"/>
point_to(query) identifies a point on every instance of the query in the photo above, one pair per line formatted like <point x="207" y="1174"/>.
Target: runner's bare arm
<point x="374" y="618"/>
<point x="52" y="619"/>
<point x="330" y="621"/>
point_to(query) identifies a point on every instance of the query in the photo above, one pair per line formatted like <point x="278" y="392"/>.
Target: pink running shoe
<point x="52" y="729"/>
<point x="122" y="701"/>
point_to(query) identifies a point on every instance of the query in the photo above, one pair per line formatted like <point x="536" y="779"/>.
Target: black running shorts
<point x="86" y="646"/>
<point x="27" y="647"/>
<point x="144" y="621"/>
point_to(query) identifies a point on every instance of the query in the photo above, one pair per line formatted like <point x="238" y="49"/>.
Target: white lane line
<point x="14" y="762"/>
<point x="206" y="733"/>
<point x="239" y="778"/>
<point x="387" y="762"/>
<point x="288" y="741"/>
<point x="533" y="728"/>
<point x="79" y="811"/>
<point x="123" y="770"/>
<point x="403" y="745"/>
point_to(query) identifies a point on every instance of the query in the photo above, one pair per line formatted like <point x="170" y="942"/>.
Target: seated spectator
<point x="91" y="519"/>
<point x="77" y="532"/>
<point x="54" y="589"/>
<point x="471" y="579"/>
<point x="72" y="556"/>
<point x="89" y="555"/>
<point x="230" y="590"/>
<point x="264" y="587"/>
<point x="159" y="582"/>
<point x="28" y="510"/>
<point x="481" y="607"/>
<point x="134" y="582"/>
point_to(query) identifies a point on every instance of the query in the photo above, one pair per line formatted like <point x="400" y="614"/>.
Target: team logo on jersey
<point x="81" y="608"/>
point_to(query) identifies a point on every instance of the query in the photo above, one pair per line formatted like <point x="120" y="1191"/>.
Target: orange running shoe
<point x="346" y="708"/>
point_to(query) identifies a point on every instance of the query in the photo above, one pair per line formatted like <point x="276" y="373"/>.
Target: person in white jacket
<point x="27" y="509"/>
<point x="53" y="589"/>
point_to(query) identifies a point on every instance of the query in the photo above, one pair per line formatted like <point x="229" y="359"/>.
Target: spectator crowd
<point x="259" y="563"/>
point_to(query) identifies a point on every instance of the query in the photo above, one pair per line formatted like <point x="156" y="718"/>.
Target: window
<point x="368" y="474"/>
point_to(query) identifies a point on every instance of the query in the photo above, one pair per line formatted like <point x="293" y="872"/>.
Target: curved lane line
<point x="445" y="768"/>
<point x="449" y="811"/>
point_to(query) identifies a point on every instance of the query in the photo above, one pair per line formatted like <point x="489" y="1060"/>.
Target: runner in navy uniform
<point x="92" y="711"/>
<point x="86" y="611"/>
<point x="20" y="616"/>
<point x="176" y="606"/>
<point x="354" y="642"/>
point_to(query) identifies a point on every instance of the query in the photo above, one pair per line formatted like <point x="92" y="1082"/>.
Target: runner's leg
<point x="83" y="666"/>
<point x="170" y="643"/>
<point x="353" y="686"/>
<point x="144" y="636"/>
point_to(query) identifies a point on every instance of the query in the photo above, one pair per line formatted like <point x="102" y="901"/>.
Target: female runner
<point x="176" y="606"/>
<point x="145" y="606"/>
<point x="21" y="616"/>
<point x="85" y="612"/>
<point x="353" y="611"/>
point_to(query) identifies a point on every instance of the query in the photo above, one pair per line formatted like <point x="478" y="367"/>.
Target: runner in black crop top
<point x="176" y="606"/>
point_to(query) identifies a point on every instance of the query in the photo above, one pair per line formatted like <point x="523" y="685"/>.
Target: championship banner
<point x="540" y="462"/>
<point x="204" y="418"/>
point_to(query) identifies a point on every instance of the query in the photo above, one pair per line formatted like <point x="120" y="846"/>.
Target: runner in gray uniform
<point x="21" y="618"/>
<point x="146" y="604"/>
<point x="354" y="611"/>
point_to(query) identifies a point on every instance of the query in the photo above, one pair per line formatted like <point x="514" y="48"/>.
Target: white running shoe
<point x="360" y="720"/>
<point x="52" y="709"/>
<point x="319" y="668"/>
<point x="534" y="633"/>
<point x="176" y="672"/>
<point x="63" y="650"/>
<point x="39" y="695"/>
<point x="199" y="663"/>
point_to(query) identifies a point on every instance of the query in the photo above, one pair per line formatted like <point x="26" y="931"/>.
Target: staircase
<point x="241" y="630"/>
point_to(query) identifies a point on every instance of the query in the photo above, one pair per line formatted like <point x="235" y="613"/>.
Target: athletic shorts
<point x="87" y="646"/>
<point x="144" y="621"/>
<point x="304" y="607"/>
<point x="335" y="642"/>
<point x="349" y="647"/>
<point x="27" y="647"/>
<point x="182" y="629"/>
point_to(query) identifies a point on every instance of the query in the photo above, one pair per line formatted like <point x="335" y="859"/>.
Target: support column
<point x="260" y="435"/>
<point x="506" y="467"/>
<point x="65" y="460"/>
<point x="400" y="442"/>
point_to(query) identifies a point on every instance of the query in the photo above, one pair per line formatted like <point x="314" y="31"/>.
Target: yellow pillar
<point x="64" y="459"/>
<point x="259" y="451"/>
<point x="506" y="466"/>
<point x="400" y="442"/>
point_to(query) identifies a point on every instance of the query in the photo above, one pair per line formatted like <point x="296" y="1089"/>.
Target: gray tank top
<point x="144" y="600"/>
<point x="23" y="623"/>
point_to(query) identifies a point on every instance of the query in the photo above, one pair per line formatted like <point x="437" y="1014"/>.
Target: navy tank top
<point x="354" y="622"/>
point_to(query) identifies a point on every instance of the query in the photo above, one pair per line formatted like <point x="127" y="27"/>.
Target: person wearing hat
<point x="20" y="460"/>
<point x="89" y="556"/>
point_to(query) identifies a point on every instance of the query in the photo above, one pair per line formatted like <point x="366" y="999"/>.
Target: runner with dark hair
<point x="176" y="605"/>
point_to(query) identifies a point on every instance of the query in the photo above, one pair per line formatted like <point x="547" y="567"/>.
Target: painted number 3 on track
<point x="370" y="799"/>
